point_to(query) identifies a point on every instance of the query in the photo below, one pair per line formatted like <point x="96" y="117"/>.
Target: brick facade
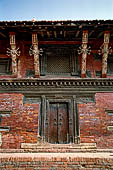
<point x="94" y="121"/>
<point x="23" y="121"/>
<point x="25" y="97"/>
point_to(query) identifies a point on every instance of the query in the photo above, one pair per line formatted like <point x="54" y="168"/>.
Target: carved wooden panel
<point x="59" y="60"/>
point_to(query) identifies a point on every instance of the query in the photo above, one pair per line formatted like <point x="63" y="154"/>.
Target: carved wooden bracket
<point x="13" y="52"/>
<point x="105" y="50"/>
<point x="34" y="51"/>
<point x="84" y="50"/>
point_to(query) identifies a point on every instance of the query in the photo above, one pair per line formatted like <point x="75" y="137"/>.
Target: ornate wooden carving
<point x="58" y="60"/>
<point x="60" y="85"/>
<point x="14" y="53"/>
<point x="105" y="53"/>
<point x="84" y="51"/>
<point x="105" y="50"/>
<point x="35" y="52"/>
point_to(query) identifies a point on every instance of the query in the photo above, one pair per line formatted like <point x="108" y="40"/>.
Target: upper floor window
<point x="110" y="65"/>
<point x="59" y="61"/>
<point x="5" y="65"/>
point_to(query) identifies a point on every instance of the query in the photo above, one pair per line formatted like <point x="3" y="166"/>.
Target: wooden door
<point x="58" y="128"/>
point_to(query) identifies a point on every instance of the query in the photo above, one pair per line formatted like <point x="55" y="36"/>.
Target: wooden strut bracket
<point x="35" y="52"/>
<point x="84" y="50"/>
<point x="13" y="52"/>
<point x="105" y="50"/>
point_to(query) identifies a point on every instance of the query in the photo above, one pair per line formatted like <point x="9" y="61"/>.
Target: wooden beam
<point x="64" y="34"/>
<point x="55" y="34"/>
<point x="91" y="33"/>
<point x="77" y="33"/>
<point x="42" y="34"/>
<point x="100" y="34"/>
<point x="59" y="42"/>
<point x="3" y="35"/>
<point x="48" y="34"/>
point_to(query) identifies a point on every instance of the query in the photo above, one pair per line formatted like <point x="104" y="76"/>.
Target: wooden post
<point x="84" y="50"/>
<point x="105" y="53"/>
<point x="36" y="55"/>
<point x="84" y="53"/>
<point x="13" y="52"/>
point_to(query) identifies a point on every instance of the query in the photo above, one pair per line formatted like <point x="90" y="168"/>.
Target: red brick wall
<point x="23" y="121"/>
<point x="94" y="120"/>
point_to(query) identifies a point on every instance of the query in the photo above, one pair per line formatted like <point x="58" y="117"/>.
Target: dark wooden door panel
<point x="53" y="123"/>
<point x="58" y="123"/>
<point x="62" y="122"/>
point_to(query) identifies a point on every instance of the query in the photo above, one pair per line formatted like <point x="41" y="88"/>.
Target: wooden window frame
<point x="73" y="62"/>
<point x="7" y="63"/>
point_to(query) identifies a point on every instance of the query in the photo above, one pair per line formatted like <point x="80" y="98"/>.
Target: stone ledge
<point x="110" y="151"/>
<point x="47" y="147"/>
<point x="57" y="161"/>
<point x="67" y="151"/>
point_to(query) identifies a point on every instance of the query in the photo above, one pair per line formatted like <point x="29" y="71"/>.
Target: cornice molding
<point x="51" y="84"/>
<point x="57" y="82"/>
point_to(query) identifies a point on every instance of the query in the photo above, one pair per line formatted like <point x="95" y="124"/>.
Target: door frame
<point x="69" y="110"/>
<point x="73" y="118"/>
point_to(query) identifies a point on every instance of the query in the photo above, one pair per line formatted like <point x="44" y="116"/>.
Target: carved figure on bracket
<point x="13" y="52"/>
<point x="105" y="50"/>
<point x="36" y="52"/>
<point x="84" y="50"/>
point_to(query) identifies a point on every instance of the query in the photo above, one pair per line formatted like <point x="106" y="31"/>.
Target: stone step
<point x="60" y="151"/>
<point x="46" y="147"/>
<point x="56" y="161"/>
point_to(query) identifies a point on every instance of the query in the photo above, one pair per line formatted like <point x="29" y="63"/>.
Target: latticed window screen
<point x="58" y="63"/>
<point x="58" y="60"/>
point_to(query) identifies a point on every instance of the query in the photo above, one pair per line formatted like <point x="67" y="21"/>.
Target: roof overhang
<point x="55" y="30"/>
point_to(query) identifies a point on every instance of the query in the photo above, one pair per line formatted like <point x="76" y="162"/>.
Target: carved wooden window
<point x="59" y="61"/>
<point x="110" y="65"/>
<point x="5" y="65"/>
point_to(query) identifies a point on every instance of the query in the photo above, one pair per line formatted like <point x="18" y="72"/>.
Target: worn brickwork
<point x="23" y="121"/>
<point x="54" y="162"/>
<point x="93" y="65"/>
<point x="94" y="120"/>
